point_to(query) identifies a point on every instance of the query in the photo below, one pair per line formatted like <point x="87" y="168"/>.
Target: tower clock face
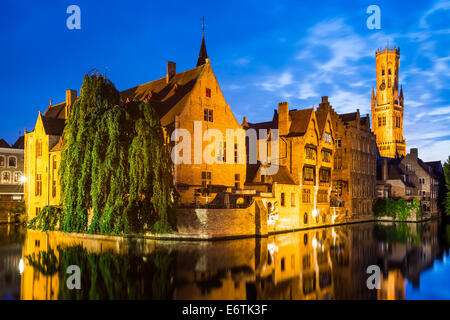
<point x="382" y="86"/>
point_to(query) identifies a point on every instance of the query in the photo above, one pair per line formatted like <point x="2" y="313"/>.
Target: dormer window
<point x="327" y="137"/>
<point x="208" y="92"/>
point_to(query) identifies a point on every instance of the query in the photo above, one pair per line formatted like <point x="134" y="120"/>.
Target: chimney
<point x="171" y="70"/>
<point x="324" y="99"/>
<point x="384" y="169"/>
<point x="283" y="118"/>
<point x="414" y="152"/>
<point x="71" y="96"/>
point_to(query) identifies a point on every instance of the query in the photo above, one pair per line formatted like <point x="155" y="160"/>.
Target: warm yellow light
<point x="314" y="213"/>
<point x="21" y="266"/>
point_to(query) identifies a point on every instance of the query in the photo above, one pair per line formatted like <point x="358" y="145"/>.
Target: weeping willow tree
<point x="116" y="174"/>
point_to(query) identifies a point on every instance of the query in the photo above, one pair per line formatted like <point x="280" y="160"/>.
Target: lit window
<point x="306" y="197"/>
<point x="326" y="156"/>
<point x="17" y="177"/>
<point x="322" y="196"/>
<point x="310" y="153"/>
<point x="237" y="181"/>
<point x="38" y="149"/>
<point x="38" y="185"/>
<point x="208" y="115"/>
<point x="308" y="174"/>
<point x="2" y="161"/>
<point x="292" y="199"/>
<point x="206" y="178"/>
<point x="6" y="177"/>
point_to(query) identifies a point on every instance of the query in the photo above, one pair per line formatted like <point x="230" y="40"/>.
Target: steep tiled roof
<point x="299" y="121"/>
<point x="321" y="121"/>
<point x="437" y="166"/>
<point x="56" y="111"/>
<point x="4" y="144"/>
<point x="427" y="168"/>
<point x="53" y="126"/>
<point x="254" y="175"/>
<point x="20" y="143"/>
<point x="347" y="117"/>
<point x="167" y="98"/>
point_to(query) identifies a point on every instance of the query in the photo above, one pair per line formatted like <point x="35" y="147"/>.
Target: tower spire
<point x="203" y="55"/>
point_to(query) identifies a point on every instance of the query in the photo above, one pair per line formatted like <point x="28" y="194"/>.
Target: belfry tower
<point x="387" y="105"/>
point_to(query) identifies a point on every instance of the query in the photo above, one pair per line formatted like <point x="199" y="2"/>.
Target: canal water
<point x="326" y="263"/>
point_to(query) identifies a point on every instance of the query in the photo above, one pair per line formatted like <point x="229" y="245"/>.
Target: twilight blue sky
<point x="262" y="52"/>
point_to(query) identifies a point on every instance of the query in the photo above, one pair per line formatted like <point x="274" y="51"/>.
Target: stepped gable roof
<point x="56" y="111"/>
<point x="53" y="126"/>
<point x="168" y="98"/>
<point x="4" y="144"/>
<point x="299" y="121"/>
<point x="20" y="143"/>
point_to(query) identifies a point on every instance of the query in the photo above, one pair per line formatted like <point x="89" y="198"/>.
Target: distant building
<point x="409" y="177"/>
<point x="11" y="170"/>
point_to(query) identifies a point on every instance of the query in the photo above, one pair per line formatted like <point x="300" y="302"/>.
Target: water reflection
<point x="327" y="263"/>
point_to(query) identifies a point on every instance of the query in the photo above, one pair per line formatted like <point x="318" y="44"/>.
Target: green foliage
<point x="396" y="209"/>
<point x="46" y="220"/>
<point x="397" y="233"/>
<point x="447" y="186"/>
<point x="116" y="172"/>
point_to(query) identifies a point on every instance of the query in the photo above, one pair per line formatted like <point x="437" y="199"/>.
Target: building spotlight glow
<point x="23" y="179"/>
<point x="21" y="266"/>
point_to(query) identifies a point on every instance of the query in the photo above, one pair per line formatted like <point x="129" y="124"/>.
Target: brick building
<point x="354" y="170"/>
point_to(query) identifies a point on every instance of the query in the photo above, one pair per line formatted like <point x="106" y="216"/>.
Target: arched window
<point x="305" y="238"/>
<point x="17" y="177"/>
<point x="12" y="162"/>
<point x="305" y="218"/>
